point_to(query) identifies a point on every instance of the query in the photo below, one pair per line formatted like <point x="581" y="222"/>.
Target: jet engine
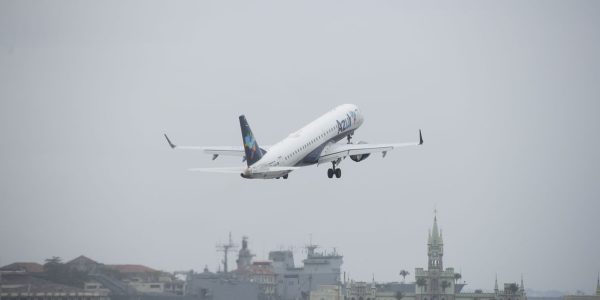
<point x="359" y="157"/>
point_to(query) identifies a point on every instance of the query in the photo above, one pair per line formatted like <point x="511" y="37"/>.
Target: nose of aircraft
<point x="359" y="115"/>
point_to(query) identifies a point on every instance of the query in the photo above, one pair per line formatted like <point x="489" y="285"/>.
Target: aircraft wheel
<point x="330" y="173"/>
<point x="285" y="176"/>
<point x="338" y="173"/>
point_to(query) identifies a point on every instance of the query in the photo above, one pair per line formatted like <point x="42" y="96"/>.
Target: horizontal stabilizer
<point x="219" y="170"/>
<point x="243" y="169"/>
<point x="215" y="151"/>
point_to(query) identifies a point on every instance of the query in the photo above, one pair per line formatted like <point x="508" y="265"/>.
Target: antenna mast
<point x="225" y="248"/>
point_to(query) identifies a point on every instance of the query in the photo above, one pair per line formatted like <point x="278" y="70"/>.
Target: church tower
<point x="598" y="286"/>
<point x="435" y="247"/>
<point x="435" y="283"/>
<point x="496" y="285"/>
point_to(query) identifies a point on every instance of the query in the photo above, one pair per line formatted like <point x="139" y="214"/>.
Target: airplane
<point x="315" y="143"/>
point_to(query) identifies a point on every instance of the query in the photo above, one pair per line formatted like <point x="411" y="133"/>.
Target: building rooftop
<point x="81" y="259"/>
<point x="28" y="267"/>
<point x="133" y="269"/>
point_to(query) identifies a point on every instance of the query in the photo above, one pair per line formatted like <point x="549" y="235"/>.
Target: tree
<point x="421" y="282"/>
<point x="513" y="288"/>
<point x="404" y="273"/>
<point x="56" y="271"/>
<point x="457" y="276"/>
<point x="445" y="285"/>
<point x="54" y="260"/>
<point x="53" y="266"/>
<point x="399" y="295"/>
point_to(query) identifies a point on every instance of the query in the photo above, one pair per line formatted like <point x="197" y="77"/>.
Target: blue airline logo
<point x="250" y="144"/>
<point x="345" y="123"/>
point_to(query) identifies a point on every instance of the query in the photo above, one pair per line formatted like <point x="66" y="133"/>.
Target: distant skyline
<point x="507" y="94"/>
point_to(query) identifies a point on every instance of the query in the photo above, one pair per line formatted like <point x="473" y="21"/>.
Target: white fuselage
<point x="304" y="146"/>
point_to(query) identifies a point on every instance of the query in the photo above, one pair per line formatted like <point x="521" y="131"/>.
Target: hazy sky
<point x="507" y="94"/>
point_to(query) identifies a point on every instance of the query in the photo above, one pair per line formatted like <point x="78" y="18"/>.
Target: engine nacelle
<point x="359" y="157"/>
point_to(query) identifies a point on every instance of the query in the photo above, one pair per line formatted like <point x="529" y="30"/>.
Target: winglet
<point x="420" y="138"/>
<point x="169" y="141"/>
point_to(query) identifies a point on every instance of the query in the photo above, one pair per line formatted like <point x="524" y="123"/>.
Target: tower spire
<point x="496" y="284"/>
<point x="522" y="284"/>
<point x="435" y="247"/>
<point x="429" y="237"/>
<point x="436" y="236"/>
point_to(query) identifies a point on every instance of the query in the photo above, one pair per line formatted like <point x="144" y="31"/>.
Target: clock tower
<point x="435" y="283"/>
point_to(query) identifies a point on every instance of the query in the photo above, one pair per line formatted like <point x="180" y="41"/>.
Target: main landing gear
<point x="334" y="171"/>
<point x="284" y="176"/>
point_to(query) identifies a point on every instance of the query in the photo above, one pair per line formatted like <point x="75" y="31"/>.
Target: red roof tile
<point x="29" y="267"/>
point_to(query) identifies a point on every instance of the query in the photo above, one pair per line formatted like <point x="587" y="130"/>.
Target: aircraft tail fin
<point x="253" y="152"/>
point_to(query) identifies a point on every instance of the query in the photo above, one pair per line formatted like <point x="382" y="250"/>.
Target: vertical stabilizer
<point x="253" y="151"/>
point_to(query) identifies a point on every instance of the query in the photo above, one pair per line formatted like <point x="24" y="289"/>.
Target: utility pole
<point x="225" y="248"/>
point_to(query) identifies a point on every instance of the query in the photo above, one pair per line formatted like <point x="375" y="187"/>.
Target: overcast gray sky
<point x="507" y="94"/>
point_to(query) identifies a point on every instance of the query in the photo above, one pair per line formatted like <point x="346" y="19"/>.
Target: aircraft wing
<point x="214" y="150"/>
<point x="337" y="151"/>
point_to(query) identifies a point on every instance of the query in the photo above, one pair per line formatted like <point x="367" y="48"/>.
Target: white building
<point x="327" y="292"/>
